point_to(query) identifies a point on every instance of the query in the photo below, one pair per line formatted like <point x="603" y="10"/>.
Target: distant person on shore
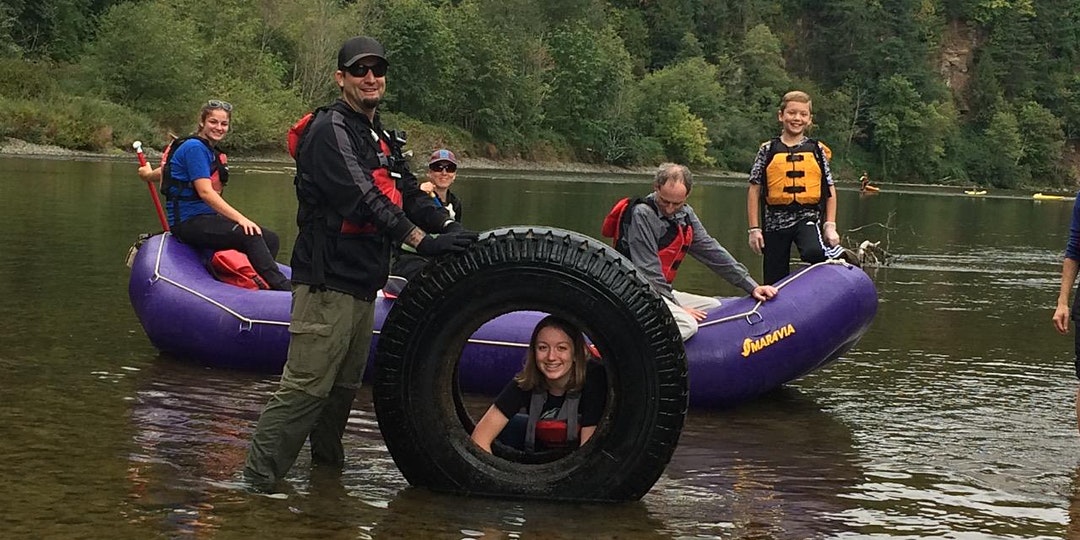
<point x="441" y="173"/>
<point x="661" y="230"/>
<point x="791" y="173"/>
<point x="864" y="181"/>
<point x="1062" y="313"/>
<point x="555" y="401"/>
<point x="192" y="176"/>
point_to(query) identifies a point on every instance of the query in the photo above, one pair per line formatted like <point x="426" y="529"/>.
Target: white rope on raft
<point x="249" y="321"/>
<point x="246" y="320"/>
<point x="754" y="311"/>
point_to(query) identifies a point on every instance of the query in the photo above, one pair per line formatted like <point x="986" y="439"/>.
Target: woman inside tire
<point x="561" y="392"/>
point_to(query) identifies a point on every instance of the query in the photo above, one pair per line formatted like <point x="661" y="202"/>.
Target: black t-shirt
<point x="513" y="399"/>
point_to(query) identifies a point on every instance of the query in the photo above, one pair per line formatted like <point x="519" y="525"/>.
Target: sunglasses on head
<point x="360" y="70"/>
<point x="443" y="166"/>
<point x="216" y="104"/>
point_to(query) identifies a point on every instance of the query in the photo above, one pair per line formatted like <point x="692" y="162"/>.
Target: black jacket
<point x="334" y="184"/>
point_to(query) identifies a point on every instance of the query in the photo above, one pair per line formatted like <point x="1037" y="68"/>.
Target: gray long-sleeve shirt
<point x="647" y="226"/>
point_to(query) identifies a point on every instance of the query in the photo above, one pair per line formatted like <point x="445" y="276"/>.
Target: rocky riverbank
<point x="17" y="147"/>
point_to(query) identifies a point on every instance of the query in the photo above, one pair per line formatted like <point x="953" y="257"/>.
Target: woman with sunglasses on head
<point x="193" y="174"/>
<point x="442" y="171"/>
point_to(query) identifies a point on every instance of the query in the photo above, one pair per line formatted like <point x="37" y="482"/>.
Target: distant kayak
<point x="870" y="189"/>
<point x="1046" y="197"/>
<point x="974" y="192"/>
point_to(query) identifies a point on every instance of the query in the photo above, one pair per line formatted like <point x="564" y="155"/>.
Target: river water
<point x="952" y="418"/>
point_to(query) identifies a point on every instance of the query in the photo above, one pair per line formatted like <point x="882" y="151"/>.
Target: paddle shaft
<point x="153" y="192"/>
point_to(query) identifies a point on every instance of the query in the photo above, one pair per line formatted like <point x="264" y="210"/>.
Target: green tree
<point x="424" y="56"/>
<point x="693" y="82"/>
<point x="1015" y="51"/>
<point x="131" y="66"/>
<point x="1002" y="152"/>
<point x="909" y="135"/>
<point x="502" y="82"/>
<point x="988" y="11"/>
<point x="669" y="22"/>
<point x="984" y="92"/>
<point x="631" y="26"/>
<point x="1041" y="142"/>
<point x="313" y="32"/>
<point x="683" y="134"/>
<point x="765" y="75"/>
<point x="246" y="65"/>
<point x="7" y="22"/>
<point x="55" y="29"/>
<point x="590" y="66"/>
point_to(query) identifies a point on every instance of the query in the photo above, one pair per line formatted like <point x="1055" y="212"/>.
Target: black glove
<point x="452" y="242"/>
<point x="456" y="227"/>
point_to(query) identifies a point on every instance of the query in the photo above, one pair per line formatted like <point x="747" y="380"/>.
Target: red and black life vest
<point x="386" y="184"/>
<point x="562" y="431"/>
<point x="175" y="191"/>
<point x="313" y="209"/>
<point x="672" y="245"/>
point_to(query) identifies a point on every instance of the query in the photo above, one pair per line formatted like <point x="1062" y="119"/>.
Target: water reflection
<point x="770" y="469"/>
<point x="190" y="433"/>
<point x="449" y="517"/>
<point x="952" y="417"/>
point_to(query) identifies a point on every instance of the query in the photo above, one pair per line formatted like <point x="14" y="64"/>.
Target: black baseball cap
<point x="359" y="47"/>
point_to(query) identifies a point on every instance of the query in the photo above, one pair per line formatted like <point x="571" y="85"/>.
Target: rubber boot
<point x="283" y="426"/>
<point x="326" y="447"/>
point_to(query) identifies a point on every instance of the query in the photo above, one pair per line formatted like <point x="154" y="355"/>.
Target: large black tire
<point x="419" y="406"/>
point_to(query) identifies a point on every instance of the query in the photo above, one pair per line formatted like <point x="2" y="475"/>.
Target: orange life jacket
<point x="795" y="176"/>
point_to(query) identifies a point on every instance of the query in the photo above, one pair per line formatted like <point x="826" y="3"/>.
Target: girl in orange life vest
<point x="792" y="172"/>
<point x="556" y="379"/>
<point x="193" y="174"/>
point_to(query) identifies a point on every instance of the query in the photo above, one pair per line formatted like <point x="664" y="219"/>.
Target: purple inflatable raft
<point x="743" y="349"/>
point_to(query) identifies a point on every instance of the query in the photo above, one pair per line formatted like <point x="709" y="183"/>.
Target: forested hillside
<point x="959" y="91"/>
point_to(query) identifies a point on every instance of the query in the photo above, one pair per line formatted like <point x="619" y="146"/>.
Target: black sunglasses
<point x="447" y="167"/>
<point x="360" y="70"/>
<point x="216" y="104"/>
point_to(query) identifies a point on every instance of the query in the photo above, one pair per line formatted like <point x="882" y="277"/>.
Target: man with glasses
<point x="357" y="199"/>
<point x="662" y="230"/>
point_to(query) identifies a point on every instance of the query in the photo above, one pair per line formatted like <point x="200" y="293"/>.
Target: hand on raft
<point x="764" y="292"/>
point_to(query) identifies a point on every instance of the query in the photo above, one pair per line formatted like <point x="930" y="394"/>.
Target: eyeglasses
<point x="359" y="70"/>
<point x="216" y="104"/>
<point x="443" y="167"/>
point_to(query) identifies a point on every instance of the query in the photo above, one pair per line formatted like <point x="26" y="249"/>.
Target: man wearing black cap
<point x="357" y="198"/>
